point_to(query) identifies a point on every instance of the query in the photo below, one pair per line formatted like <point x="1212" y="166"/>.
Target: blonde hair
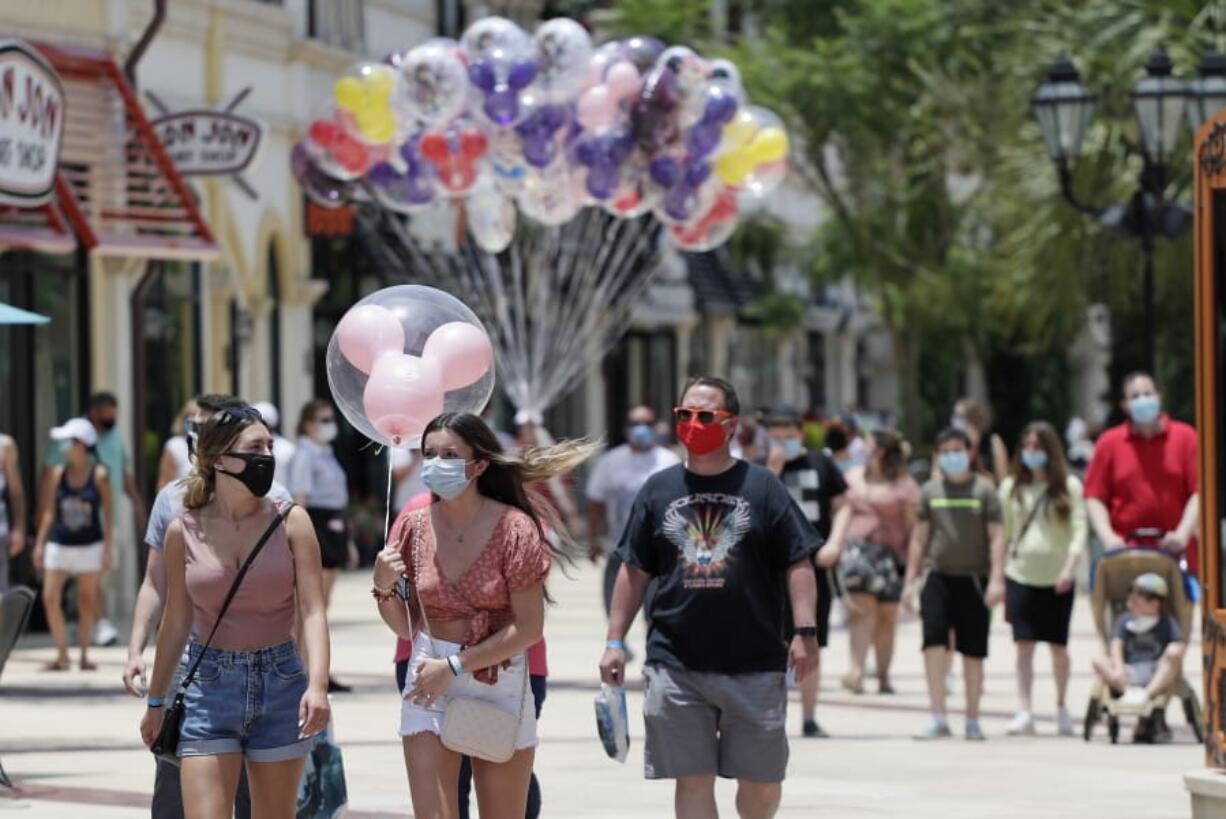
<point x="217" y="436"/>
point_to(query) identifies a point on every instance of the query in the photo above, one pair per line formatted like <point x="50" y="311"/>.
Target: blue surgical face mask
<point x="642" y="436"/>
<point x="792" y="447"/>
<point x="445" y="477"/>
<point x="1034" y="459"/>
<point x="1145" y="409"/>
<point x="955" y="464"/>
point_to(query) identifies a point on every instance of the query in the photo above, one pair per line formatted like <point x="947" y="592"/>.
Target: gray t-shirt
<point x="1147" y="646"/>
<point x="168" y="505"/>
<point x="960" y="514"/>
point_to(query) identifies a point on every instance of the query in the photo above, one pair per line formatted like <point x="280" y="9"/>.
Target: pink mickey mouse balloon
<point x="383" y="381"/>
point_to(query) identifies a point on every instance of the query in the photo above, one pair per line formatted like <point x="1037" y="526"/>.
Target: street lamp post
<point x="1063" y="108"/>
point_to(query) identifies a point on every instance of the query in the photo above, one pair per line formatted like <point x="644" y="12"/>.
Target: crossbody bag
<point x="1021" y="533"/>
<point x="166" y="745"/>
<point x="471" y="726"/>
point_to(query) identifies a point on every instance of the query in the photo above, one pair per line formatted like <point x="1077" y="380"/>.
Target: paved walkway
<point x="70" y="740"/>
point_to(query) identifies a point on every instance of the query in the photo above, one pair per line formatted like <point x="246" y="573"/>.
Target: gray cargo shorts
<point x="703" y="724"/>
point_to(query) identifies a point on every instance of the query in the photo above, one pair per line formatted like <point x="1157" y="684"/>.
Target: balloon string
<point x="387" y="515"/>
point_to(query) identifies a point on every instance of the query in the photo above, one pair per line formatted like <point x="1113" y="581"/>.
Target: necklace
<point x="459" y="534"/>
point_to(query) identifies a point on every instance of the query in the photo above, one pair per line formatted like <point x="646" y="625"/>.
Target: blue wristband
<point x="155" y="702"/>
<point x="617" y="644"/>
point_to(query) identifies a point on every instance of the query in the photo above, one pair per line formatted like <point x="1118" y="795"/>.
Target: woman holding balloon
<point x="476" y="561"/>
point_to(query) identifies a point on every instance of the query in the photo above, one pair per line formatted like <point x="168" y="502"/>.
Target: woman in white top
<point x="1045" y="532"/>
<point x="176" y="462"/>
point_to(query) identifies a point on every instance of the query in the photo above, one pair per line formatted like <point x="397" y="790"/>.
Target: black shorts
<point x="332" y="532"/>
<point x="950" y="602"/>
<point x="1037" y="613"/>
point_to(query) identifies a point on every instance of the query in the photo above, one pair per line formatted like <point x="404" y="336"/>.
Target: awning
<point x="116" y="186"/>
<point x="15" y="315"/>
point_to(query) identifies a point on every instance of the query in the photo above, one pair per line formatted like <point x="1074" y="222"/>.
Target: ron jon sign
<point x="31" y="125"/>
<point x="208" y="143"/>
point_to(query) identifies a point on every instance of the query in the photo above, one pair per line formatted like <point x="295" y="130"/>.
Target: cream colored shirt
<point x="1040" y="556"/>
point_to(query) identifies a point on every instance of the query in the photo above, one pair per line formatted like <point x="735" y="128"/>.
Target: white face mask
<point x="325" y="432"/>
<point x="1141" y="624"/>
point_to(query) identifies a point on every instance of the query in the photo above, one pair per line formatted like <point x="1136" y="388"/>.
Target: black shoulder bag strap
<point x="277" y="520"/>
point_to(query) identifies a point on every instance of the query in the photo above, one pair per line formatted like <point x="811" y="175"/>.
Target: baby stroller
<point x="1113" y="577"/>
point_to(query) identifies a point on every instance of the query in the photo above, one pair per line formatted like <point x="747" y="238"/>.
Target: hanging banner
<point x="31" y="125"/>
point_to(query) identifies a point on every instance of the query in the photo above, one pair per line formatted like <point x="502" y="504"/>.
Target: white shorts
<point x="73" y="559"/>
<point x="509" y="693"/>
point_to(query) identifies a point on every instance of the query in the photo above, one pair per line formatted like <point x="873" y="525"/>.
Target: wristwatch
<point x="805" y="631"/>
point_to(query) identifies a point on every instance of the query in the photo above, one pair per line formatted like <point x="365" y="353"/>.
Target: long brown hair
<point x="309" y="410"/>
<point x="217" y="436"/>
<point x="507" y="477"/>
<point x="1057" y="467"/>
<point x="893" y="453"/>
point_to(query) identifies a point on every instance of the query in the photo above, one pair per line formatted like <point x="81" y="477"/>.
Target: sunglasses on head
<point x="235" y="415"/>
<point x="684" y="415"/>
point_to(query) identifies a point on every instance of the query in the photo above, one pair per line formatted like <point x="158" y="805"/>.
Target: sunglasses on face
<point x="684" y="415"/>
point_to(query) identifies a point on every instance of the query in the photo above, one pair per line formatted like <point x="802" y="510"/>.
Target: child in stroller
<point x="1146" y="656"/>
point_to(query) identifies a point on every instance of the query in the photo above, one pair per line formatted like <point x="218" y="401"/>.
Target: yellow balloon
<point x="376" y="126"/>
<point x="770" y="145"/>
<point x="379" y="84"/>
<point x="349" y="93"/>
<point x="734" y="168"/>
<point x="740" y="131"/>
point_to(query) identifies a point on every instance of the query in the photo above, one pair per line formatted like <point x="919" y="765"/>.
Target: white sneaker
<point x="1022" y="725"/>
<point x="105" y="633"/>
<point x="1064" y="723"/>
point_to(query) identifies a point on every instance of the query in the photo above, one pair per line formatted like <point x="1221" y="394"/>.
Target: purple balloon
<point x="721" y="107"/>
<point x="382" y="173"/>
<point x="502" y="107"/>
<point x="702" y="139"/>
<point x="521" y="75"/>
<point x="602" y="181"/>
<point x="482" y="75"/>
<point x="696" y="173"/>
<point x="665" y="171"/>
<point x="587" y="152"/>
<point x="643" y="51"/>
<point x="317" y="185"/>
<point x="539" y="150"/>
<point x="553" y="117"/>
<point x="679" y="203"/>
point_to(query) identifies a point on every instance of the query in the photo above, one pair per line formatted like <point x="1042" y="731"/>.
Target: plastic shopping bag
<point x="612" y="723"/>
<point x="321" y="792"/>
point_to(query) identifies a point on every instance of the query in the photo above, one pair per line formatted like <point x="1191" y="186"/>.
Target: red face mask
<point x="700" y="438"/>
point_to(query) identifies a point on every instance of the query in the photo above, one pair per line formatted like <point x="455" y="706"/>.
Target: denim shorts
<point x="245" y="702"/>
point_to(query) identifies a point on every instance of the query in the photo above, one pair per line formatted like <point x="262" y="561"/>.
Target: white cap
<point x="268" y="412"/>
<point x="76" y="429"/>
<point x="527" y="416"/>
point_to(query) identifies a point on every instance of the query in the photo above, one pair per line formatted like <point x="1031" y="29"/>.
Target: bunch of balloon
<point x="544" y="125"/>
<point x="404" y="355"/>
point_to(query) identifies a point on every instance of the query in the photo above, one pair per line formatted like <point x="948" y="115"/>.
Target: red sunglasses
<point x="684" y="415"/>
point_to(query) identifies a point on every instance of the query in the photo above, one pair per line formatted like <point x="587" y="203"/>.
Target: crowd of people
<point x="738" y="542"/>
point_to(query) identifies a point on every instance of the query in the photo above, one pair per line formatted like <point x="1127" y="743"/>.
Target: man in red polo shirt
<point x="1143" y="475"/>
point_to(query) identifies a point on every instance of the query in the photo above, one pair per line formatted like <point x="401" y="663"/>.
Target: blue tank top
<point x="78" y="518"/>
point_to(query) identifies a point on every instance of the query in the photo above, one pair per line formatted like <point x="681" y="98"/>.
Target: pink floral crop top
<point x="514" y="558"/>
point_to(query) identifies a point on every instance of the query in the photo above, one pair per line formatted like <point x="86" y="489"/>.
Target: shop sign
<point x="31" y="125"/>
<point x="209" y="142"/>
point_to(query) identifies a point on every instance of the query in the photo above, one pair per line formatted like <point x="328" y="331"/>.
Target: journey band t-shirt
<point x="720" y="546"/>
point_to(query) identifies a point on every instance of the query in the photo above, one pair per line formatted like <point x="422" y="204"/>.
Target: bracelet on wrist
<point x="382" y="595"/>
<point x="155" y="702"/>
<point x="457" y="668"/>
<point x="805" y="631"/>
<point x="617" y="645"/>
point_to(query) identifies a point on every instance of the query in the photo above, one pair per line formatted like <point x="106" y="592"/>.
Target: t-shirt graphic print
<point x="705" y="528"/>
<point x="719" y="547"/>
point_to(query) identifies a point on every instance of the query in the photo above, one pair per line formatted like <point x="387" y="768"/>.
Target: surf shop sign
<point x="31" y="125"/>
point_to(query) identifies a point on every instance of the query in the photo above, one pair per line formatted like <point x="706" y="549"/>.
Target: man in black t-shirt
<point x="815" y="482"/>
<point x="729" y="549"/>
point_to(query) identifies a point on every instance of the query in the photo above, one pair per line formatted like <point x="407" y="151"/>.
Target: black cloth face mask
<point x="257" y="475"/>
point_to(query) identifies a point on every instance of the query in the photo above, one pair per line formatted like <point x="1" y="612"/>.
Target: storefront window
<point x="172" y="348"/>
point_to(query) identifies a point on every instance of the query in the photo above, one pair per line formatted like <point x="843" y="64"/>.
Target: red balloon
<point x="326" y="134"/>
<point x="434" y="147"/>
<point x="473" y="144"/>
<point x="351" y="155"/>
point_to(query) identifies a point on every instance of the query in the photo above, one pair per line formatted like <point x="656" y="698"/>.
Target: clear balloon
<point x="433" y="85"/>
<point x="396" y="400"/>
<point x="406" y="182"/>
<point x="753" y="156"/>
<point x="365" y="93"/>
<point x="553" y="196"/>
<point x="710" y="230"/>
<point x="491" y="219"/>
<point x="455" y="153"/>
<point x="335" y="149"/>
<point x="320" y="188"/>
<point x="563" y="52"/>
<point x="501" y="65"/>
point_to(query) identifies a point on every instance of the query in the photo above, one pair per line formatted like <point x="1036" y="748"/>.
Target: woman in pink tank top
<point x="477" y="560"/>
<point x="869" y="542"/>
<point x="251" y="701"/>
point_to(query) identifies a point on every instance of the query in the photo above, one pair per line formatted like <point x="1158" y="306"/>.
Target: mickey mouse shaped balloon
<point x="501" y="65"/>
